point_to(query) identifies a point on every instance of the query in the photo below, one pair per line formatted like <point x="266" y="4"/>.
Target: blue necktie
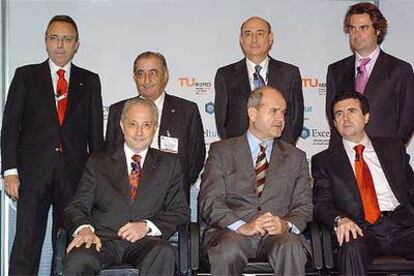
<point x="258" y="79"/>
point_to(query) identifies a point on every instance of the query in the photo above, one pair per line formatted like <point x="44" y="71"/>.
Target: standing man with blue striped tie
<point x="233" y="83"/>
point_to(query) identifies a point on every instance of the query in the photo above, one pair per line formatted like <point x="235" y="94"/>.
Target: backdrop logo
<point x="200" y="87"/>
<point x="305" y="133"/>
<point x="320" y="137"/>
<point x="209" y="108"/>
<point x="314" y="83"/>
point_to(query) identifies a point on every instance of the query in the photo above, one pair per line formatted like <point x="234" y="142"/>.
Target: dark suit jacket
<point x="232" y="90"/>
<point x="335" y="191"/>
<point x="390" y="93"/>
<point x="228" y="185"/>
<point x="31" y="132"/>
<point x="181" y="119"/>
<point x="103" y="198"/>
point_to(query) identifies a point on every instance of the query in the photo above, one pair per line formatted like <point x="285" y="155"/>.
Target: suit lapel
<point x="377" y="75"/>
<point x="276" y="162"/>
<point x="120" y="181"/>
<point x="167" y="125"/>
<point x="243" y="157"/>
<point x="348" y="75"/>
<point x="343" y="169"/>
<point x="46" y="84"/>
<point x="74" y="88"/>
<point x="243" y="80"/>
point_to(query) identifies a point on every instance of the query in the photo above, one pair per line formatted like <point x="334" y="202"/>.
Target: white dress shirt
<point x="386" y="198"/>
<point x="159" y="103"/>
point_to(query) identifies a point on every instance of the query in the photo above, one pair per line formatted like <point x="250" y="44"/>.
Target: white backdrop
<point x="196" y="37"/>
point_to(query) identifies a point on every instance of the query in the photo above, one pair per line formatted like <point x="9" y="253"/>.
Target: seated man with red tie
<point x="255" y="196"/>
<point x="122" y="213"/>
<point x="364" y="190"/>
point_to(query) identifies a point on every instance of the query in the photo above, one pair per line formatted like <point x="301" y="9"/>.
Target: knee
<point x="287" y="244"/>
<point x="80" y="261"/>
<point x="354" y="246"/>
<point x="164" y="249"/>
<point x="226" y="251"/>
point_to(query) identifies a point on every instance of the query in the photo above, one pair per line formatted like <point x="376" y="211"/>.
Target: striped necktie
<point x="261" y="169"/>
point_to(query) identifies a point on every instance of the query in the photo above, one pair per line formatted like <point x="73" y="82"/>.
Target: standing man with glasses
<point x="233" y="83"/>
<point x="383" y="79"/>
<point x="52" y="120"/>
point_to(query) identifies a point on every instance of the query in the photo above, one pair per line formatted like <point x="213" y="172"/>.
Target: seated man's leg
<point x="152" y="256"/>
<point x="228" y="252"/>
<point x="403" y="243"/>
<point x="285" y="252"/>
<point x="88" y="261"/>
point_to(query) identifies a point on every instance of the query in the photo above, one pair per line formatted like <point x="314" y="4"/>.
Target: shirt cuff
<point x="76" y="232"/>
<point x="153" y="230"/>
<point x="293" y="228"/>
<point x="235" y="225"/>
<point x="11" y="172"/>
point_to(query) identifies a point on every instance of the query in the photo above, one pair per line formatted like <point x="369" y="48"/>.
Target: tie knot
<point x="258" y="68"/>
<point x="359" y="149"/>
<point x="61" y="73"/>
<point x="364" y="61"/>
<point x="263" y="147"/>
<point x="136" y="158"/>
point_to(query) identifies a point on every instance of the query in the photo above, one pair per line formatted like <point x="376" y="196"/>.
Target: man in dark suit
<point x="233" y="83"/>
<point x="52" y="120"/>
<point x="122" y="213"/>
<point x="255" y="195"/>
<point x="364" y="189"/>
<point x="180" y="128"/>
<point x="383" y="79"/>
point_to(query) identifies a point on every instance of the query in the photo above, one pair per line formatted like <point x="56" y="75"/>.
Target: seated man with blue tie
<point x="364" y="190"/>
<point x="255" y="195"/>
<point x="122" y="213"/>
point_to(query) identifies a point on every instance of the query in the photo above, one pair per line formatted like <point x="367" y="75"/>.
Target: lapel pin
<point x="173" y="110"/>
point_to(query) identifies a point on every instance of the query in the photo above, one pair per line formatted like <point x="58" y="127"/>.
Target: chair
<point x="382" y="265"/>
<point x="199" y="259"/>
<point x="180" y="240"/>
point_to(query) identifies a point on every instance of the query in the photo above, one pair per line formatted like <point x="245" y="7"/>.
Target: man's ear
<point x="252" y="113"/>
<point x="366" y="118"/>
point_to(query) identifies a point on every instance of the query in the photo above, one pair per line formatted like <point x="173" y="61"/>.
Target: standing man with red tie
<point x="383" y="79"/>
<point x="52" y="120"/>
<point x="364" y="189"/>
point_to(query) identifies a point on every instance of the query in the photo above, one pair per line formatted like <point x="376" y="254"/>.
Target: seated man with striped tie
<point x="364" y="190"/>
<point x="256" y="196"/>
<point x="129" y="202"/>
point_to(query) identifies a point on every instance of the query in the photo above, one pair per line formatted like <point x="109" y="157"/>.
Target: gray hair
<point x="140" y="101"/>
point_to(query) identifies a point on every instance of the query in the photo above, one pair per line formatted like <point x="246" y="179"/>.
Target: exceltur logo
<point x="305" y="133"/>
<point x="201" y="87"/>
<point x="209" y="108"/>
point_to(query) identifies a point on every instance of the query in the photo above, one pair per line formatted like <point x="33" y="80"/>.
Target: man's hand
<point x="133" y="231"/>
<point x="344" y="228"/>
<point x="11" y="186"/>
<point x="275" y="225"/>
<point x="85" y="236"/>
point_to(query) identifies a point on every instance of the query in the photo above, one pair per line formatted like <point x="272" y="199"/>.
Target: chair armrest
<point x="316" y="245"/>
<point x="183" y="248"/>
<point x="61" y="241"/>
<point x="327" y="246"/>
<point x="195" y="246"/>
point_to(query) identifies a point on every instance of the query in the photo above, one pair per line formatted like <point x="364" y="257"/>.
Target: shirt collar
<point x="373" y="56"/>
<point x="254" y="142"/>
<point x="55" y="68"/>
<point x="366" y="142"/>
<point x="251" y="66"/>
<point x="129" y="153"/>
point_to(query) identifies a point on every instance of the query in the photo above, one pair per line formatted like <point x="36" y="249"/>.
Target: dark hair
<point x="269" y="27"/>
<point x="149" y="54"/>
<point x="378" y="20"/>
<point x="64" y="18"/>
<point x="363" y="102"/>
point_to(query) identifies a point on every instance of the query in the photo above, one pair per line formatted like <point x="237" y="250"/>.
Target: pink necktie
<point x="361" y="78"/>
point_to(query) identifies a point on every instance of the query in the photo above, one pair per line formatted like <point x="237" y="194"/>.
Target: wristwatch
<point x="289" y="226"/>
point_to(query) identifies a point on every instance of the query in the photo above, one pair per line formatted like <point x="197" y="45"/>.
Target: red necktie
<point x="135" y="175"/>
<point x="61" y="93"/>
<point x="366" y="187"/>
<point x="261" y="169"/>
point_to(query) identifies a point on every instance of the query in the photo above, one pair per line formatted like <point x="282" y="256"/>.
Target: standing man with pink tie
<point x="52" y="120"/>
<point x="386" y="81"/>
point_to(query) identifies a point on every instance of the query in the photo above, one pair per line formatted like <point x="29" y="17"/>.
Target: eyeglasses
<point x="56" y="38"/>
